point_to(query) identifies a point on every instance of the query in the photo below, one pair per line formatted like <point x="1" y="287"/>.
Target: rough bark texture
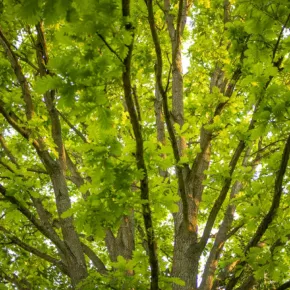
<point x="175" y="34"/>
<point x="186" y="256"/>
<point x="76" y="260"/>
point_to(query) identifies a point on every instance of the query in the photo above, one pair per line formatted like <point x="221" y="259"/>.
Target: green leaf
<point x="47" y="83"/>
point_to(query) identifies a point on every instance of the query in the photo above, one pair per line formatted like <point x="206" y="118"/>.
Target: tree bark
<point x="75" y="260"/>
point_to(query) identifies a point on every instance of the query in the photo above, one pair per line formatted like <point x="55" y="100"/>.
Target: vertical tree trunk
<point x="185" y="257"/>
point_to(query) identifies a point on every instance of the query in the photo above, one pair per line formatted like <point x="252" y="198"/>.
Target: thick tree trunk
<point x="74" y="257"/>
<point x="185" y="257"/>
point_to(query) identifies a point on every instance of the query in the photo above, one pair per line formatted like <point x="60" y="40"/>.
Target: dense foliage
<point x="144" y="145"/>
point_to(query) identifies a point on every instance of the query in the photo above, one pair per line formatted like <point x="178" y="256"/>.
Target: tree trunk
<point x="185" y="257"/>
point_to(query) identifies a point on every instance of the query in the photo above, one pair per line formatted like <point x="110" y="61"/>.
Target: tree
<point x="144" y="144"/>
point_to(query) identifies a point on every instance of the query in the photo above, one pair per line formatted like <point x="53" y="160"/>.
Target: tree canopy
<point x="144" y="144"/>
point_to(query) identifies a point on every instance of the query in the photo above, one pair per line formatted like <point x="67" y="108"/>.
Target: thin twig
<point x="78" y="132"/>
<point x="109" y="47"/>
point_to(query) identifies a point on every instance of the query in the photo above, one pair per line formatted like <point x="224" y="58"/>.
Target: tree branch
<point x="34" y="251"/>
<point x="158" y="70"/>
<point x="7" y="151"/>
<point x="76" y="259"/>
<point x="279" y="39"/>
<point x="219" y="201"/>
<point x="267" y="220"/>
<point x="169" y="19"/>
<point x="136" y="102"/>
<point x="95" y="259"/>
<point x="278" y="190"/>
<point x="78" y="132"/>
<point x="110" y="47"/>
<point x="137" y="129"/>
<point x="44" y="230"/>
<point x="284" y="286"/>
<point x="19" y="74"/>
<point x="13" y="120"/>
<point x="21" y="284"/>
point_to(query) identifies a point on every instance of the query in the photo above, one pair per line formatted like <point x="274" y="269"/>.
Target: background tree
<point x="144" y="144"/>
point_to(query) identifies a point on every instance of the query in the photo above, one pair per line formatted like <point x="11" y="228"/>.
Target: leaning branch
<point x="222" y="196"/>
<point x="30" y="216"/>
<point x="34" y="251"/>
<point x="219" y="201"/>
<point x="98" y="263"/>
<point x="109" y="47"/>
<point x="19" y="74"/>
<point x="267" y="220"/>
<point x="7" y="151"/>
<point x="284" y="286"/>
<point x="275" y="201"/>
<point x="19" y="126"/>
<point x="279" y="39"/>
<point x="76" y="130"/>
<point x="77" y="263"/>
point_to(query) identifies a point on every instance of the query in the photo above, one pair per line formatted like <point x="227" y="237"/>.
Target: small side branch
<point x="20" y="283"/>
<point x="19" y="74"/>
<point x="77" y="131"/>
<point x="109" y="47"/>
<point x="279" y="39"/>
<point x="34" y="251"/>
<point x="30" y="216"/>
<point x="278" y="189"/>
<point x="7" y="151"/>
